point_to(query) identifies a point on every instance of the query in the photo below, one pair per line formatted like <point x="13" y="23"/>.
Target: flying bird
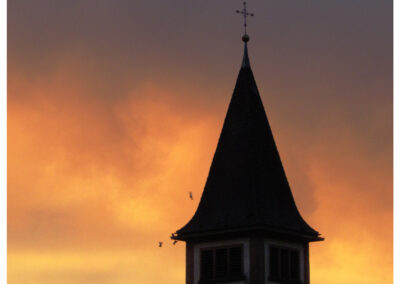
<point x="159" y="244"/>
<point x="191" y="195"/>
<point x="174" y="242"/>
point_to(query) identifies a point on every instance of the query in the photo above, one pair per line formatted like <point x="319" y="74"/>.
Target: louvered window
<point x="221" y="264"/>
<point x="207" y="264"/>
<point x="284" y="265"/>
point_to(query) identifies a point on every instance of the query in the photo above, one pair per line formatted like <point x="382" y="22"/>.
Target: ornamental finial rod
<point x="245" y="14"/>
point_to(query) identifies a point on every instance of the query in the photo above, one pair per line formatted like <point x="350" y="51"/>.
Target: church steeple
<point x="247" y="228"/>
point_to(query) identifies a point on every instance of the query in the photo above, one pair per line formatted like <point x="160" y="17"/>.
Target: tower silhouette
<point x="247" y="228"/>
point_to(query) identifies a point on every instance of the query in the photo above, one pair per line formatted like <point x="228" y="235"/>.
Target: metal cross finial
<point x="245" y="15"/>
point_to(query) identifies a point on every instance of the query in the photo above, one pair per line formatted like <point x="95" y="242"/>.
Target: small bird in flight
<point x="174" y="242"/>
<point x="159" y="244"/>
<point x="190" y="195"/>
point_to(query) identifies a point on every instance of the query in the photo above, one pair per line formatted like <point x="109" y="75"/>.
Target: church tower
<point x="247" y="228"/>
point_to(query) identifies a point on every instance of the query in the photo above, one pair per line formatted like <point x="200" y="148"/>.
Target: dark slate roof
<point x="246" y="187"/>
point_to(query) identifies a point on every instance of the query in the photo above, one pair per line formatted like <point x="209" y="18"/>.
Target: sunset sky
<point x="114" y="112"/>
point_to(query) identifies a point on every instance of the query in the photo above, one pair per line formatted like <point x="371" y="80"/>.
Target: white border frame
<point x="396" y="140"/>
<point x="3" y="141"/>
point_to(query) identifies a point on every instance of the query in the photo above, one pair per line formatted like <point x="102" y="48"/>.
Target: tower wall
<point x="306" y="248"/>
<point x="190" y="263"/>
<point x="256" y="259"/>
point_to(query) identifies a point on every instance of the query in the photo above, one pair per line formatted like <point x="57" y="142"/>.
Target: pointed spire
<point x="246" y="60"/>
<point x="246" y="187"/>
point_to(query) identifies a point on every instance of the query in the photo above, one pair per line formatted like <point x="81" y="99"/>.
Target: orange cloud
<point x="94" y="183"/>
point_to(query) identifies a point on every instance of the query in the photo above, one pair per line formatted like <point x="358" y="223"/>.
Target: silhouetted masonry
<point x="247" y="228"/>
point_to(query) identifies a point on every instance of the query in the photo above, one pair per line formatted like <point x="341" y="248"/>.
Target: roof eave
<point x="240" y="232"/>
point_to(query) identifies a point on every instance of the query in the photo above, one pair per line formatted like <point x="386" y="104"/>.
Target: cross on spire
<point x="245" y="14"/>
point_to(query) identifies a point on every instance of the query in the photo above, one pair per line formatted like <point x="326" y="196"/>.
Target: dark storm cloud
<point x="332" y="51"/>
